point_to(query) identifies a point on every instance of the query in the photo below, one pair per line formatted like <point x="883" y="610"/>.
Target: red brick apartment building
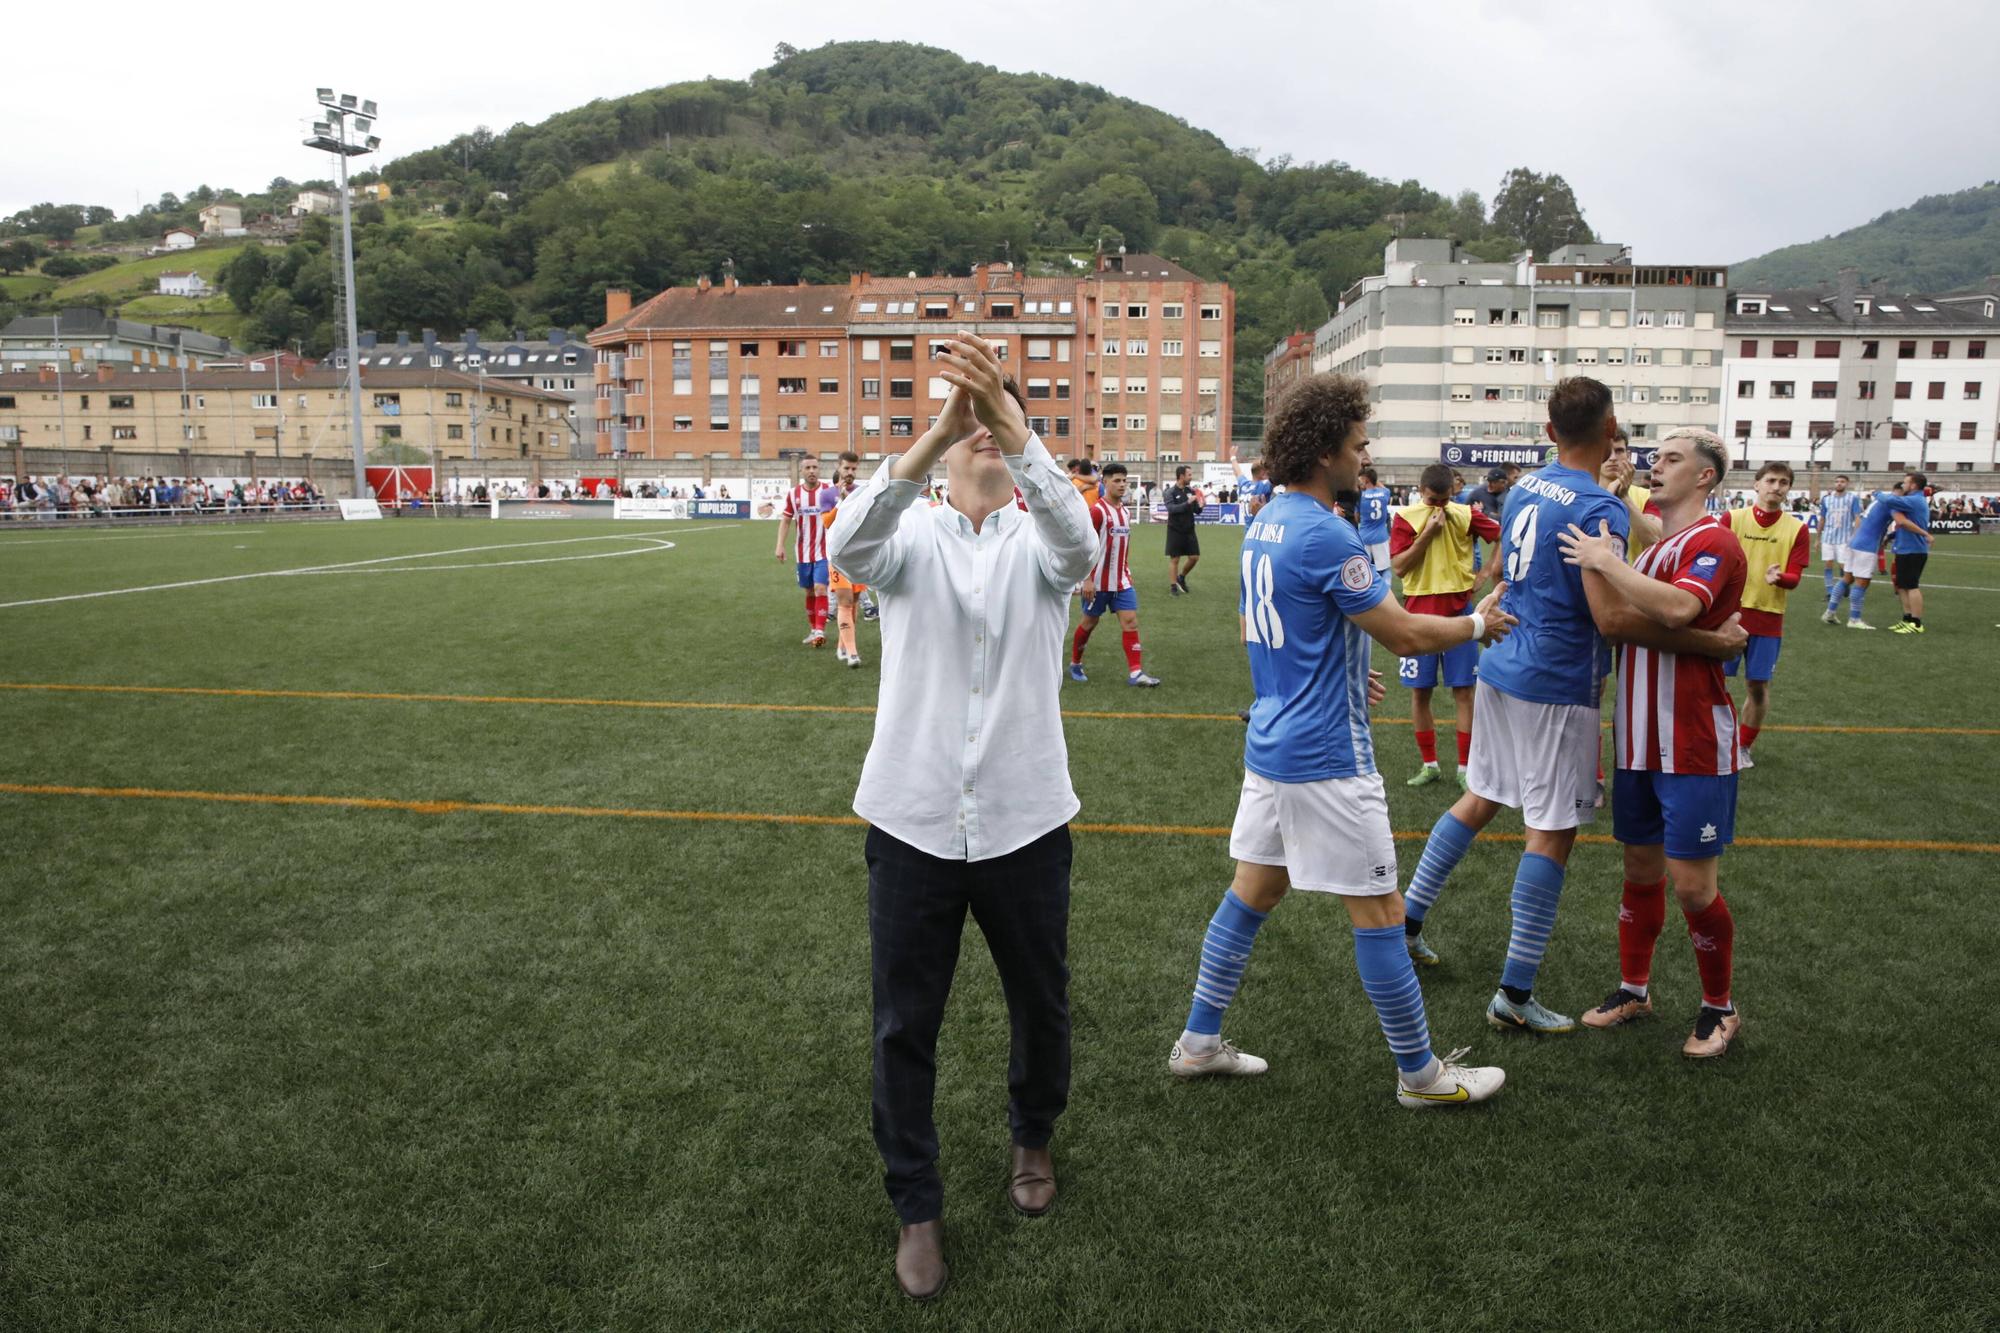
<point x="1130" y="361"/>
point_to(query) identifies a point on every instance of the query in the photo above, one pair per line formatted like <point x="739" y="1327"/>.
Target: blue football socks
<point x="1225" y="952"/>
<point x="1538" y="886"/>
<point x="1391" y="983"/>
<point x="1449" y="841"/>
<point x="1855" y="595"/>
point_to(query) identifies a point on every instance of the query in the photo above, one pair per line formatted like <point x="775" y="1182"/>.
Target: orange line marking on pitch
<point x="713" y="706"/>
<point x="448" y="807"/>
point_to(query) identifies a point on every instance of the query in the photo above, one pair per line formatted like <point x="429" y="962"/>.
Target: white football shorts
<point x="1835" y="555"/>
<point x="1331" y="836"/>
<point x="1378" y="555"/>
<point x="1540" y="759"/>
<point x="1861" y="564"/>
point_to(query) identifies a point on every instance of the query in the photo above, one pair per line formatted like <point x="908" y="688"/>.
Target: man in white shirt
<point x="966" y="787"/>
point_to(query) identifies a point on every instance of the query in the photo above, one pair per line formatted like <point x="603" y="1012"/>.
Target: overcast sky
<point x="1697" y="132"/>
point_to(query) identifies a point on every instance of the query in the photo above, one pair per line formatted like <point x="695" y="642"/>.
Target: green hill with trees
<point x="1941" y="242"/>
<point x="885" y="157"/>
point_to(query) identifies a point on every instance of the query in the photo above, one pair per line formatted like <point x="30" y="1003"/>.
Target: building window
<point x="1746" y="388"/>
<point x="1906" y="348"/>
<point x="1642" y="356"/>
<point x="1135" y="386"/>
<point x="1496" y="356"/>
<point x="936" y="310"/>
<point x="746" y="349"/>
<point x="122" y="402"/>
<point x="1644" y="320"/>
<point x="1062" y="427"/>
<point x="1171" y="347"/>
<point x="1461" y="430"/>
<point x="1778" y="430"/>
<point x="1210" y="347"/>
<point x="871" y="349"/>
<point x="1784" y="348"/>
<point x="1676" y="319"/>
<point x="1172" y="310"/>
<point x="829" y="347"/>
<point x="1941" y="349"/>
<point x="1864" y="430"/>
<point x="1548" y="317"/>
<point x="871" y="388"/>
<point x="1461" y="356"/>
<point x="1697" y="395"/>
<point x="1968" y="430"/>
<point x="1038" y="388"/>
<point x="1617" y="319"/>
<point x="1865" y="389"/>
<point x="1931" y="429"/>
<point x="1135" y="423"/>
<point x="124" y="432"/>
<point x="1517" y="356"/>
<point x="902" y="388"/>
<point x="1461" y="393"/>
<point x="902" y="349"/>
<point x="1825" y="389"/>
<point x="1491" y="394"/>
<point x="683" y="423"/>
<point x="1462" y="317"/>
<point x="786" y="386"/>
<point x="1936" y="389"/>
<point x="718" y="423"/>
<point x="1589" y="319"/>
<point x="1782" y="388"/>
<point x="1702" y="357"/>
<point x="1135" y="347"/>
<point x="1903" y="388"/>
<point x="901" y="426"/>
<point x="791" y="423"/>
<point x="871" y="426"/>
<point x="1976" y="349"/>
<point x="1640" y="393"/>
<point x="454" y="432"/>
<point x="1496" y="315"/>
<point x="1211" y="312"/>
<point x="791" y="347"/>
<point x="1826" y="348"/>
<point x="829" y="423"/>
<point x="829" y="386"/>
<point x="1742" y="430"/>
<point x="1039" y="349"/>
<point x="256" y="400"/>
<point x="1748" y="351"/>
<point x="1972" y="391"/>
<point x="1614" y="356"/>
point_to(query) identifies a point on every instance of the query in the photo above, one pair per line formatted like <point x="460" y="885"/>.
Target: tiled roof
<point x="1808" y="308"/>
<point x="317" y="378"/>
<point x="720" y="307"/>
<point x="1145" y="268"/>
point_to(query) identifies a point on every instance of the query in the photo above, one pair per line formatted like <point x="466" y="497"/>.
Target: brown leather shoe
<point x="920" y="1267"/>
<point x="1032" y="1189"/>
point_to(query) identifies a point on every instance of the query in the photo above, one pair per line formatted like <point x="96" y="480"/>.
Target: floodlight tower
<point x="330" y="135"/>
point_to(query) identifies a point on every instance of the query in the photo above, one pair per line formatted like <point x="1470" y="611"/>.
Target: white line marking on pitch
<point x="1957" y="587"/>
<point x="64" y="539"/>
<point x="360" y="564"/>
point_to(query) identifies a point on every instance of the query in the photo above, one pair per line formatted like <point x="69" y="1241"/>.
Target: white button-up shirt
<point x="968" y="760"/>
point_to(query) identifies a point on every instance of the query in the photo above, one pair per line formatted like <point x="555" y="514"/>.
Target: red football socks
<point x="1713" y="932"/>
<point x="816" y="612"/>
<point x="1640" y="918"/>
<point x="1464" y="746"/>
<point x="1130" y="638"/>
<point x="1750" y="736"/>
<point x="1077" y="640"/>
<point x="1427" y="746"/>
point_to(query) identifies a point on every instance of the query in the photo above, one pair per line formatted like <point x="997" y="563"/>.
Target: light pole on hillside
<point x="330" y="135"/>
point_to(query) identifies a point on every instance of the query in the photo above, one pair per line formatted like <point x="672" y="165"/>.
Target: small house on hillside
<point x="179" y="238"/>
<point x="221" y="219"/>
<point x="189" y="283"/>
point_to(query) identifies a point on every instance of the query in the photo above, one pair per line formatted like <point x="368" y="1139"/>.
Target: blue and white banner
<point x="718" y="509"/>
<point x="1465" y="454"/>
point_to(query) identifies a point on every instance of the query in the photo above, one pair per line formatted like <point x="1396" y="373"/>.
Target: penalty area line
<point x="346" y="565"/>
<point x="453" y="807"/>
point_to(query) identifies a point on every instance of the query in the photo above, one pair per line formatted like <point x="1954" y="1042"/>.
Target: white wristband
<point x="1478" y="627"/>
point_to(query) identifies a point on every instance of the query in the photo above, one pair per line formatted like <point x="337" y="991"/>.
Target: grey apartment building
<point x="1460" y="354"/>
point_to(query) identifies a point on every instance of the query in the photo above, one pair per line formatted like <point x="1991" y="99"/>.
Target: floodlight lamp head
<point x="373" y="143"/>
<point x="367" y="107"/>
<point x="323" y="128"/>
<point x="347" y="101"/>
<point x="362" y="124"/>
<point x="326" y="96"/>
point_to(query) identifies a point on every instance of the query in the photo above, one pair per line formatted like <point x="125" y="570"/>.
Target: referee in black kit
<point x="1183" y="547"/>
<point x="966" y="786"/>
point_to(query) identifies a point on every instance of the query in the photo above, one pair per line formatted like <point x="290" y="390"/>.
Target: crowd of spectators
<point x="61" y="497"/>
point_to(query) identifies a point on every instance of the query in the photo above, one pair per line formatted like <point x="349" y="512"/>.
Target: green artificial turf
<point x="276" y="1066"/>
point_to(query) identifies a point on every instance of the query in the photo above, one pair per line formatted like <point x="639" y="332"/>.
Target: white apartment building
<point x="1856" y="381"/>
<point x="1461" y="354"/>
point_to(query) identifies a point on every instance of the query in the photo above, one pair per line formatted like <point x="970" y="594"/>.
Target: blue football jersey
<point x="1555" y="655"/>
<point x="1372" y="518"/>
<point x="1304" y="572"/>
<point x="1869" y="530"/>
<point x="1917" y="509"/>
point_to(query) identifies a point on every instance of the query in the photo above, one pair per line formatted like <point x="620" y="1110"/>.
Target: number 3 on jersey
<point x="1260" y="614"/>
<point x="1521" y="543"/>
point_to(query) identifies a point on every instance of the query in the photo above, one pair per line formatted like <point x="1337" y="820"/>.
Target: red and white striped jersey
<point x="1674" y="713"/>
<point x="807" y="506"/>
<point x="1114" y="533"/>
